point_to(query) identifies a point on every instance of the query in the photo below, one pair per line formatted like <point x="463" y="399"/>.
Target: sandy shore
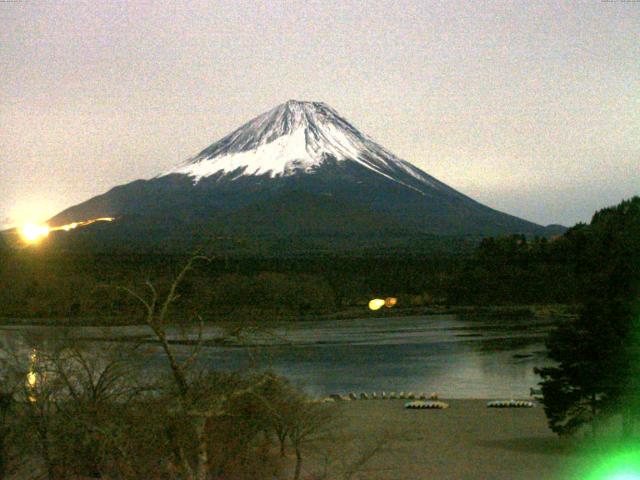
<point x="466" y="441"/>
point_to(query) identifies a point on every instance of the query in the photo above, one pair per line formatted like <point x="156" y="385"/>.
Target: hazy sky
<point x="530" y="107"/>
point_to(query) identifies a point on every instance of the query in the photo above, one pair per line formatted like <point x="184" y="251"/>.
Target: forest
<point x="505" y="271"/>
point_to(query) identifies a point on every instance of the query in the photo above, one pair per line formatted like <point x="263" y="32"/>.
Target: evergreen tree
<point x="598" y="366"/>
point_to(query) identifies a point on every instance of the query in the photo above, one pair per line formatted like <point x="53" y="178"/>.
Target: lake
<point x="458" y="357"/>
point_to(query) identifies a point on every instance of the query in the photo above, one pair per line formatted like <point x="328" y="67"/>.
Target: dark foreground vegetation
<point x="598" y="353"/>
<point x="71" y="410"/>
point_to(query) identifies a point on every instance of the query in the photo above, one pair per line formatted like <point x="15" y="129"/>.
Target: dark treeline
<point x="512" y="270"/>
<point x="597" y="354"/>
<point x="40" y="284"/>
<point x="517" y="270"/>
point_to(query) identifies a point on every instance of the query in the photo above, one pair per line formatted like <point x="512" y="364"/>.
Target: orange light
<point x="74" y="225"/>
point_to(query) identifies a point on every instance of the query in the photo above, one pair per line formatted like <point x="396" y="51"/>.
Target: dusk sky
<point x="532" y="108"/>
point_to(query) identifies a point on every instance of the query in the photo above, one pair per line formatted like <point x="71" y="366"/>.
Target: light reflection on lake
<point x="457" y="357"/>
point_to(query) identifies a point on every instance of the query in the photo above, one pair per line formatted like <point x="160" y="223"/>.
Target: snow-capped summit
<point x="297" y="137"/>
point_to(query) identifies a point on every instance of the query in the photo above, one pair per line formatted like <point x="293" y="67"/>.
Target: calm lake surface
<point x="458" y="357"/>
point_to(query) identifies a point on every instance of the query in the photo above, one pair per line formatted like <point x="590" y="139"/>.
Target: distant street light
<point x="376" y="304"/>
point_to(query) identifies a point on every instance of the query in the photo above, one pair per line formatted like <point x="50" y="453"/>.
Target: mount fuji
<point x="299" y="170"/>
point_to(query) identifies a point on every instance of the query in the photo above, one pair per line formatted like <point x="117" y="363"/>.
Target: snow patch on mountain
<point x="298" y="137"/>
<point x="279" y="157"/>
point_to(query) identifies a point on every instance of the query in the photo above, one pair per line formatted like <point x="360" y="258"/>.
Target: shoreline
<point x="465" y="441"/>
<point x="535" y="311"/>
<point x="533" y="399"/>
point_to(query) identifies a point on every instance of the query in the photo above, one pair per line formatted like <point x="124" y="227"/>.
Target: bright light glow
<point x="71" y="226"/>
<point x="31" y="379"/>
<point x="74" y="225"/>
<point x="32" y="233"/>
<point x="376" y="304"/>
<point x="619" y="463"/>
<point x="624" y="476"/>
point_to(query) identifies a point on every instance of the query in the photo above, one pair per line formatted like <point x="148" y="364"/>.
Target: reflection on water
<point x="458" y="358"/>
<point x="32" y="377"/>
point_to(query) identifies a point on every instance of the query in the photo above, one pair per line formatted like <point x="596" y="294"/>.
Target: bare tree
<point x="344" y="456"/>
<point x="95" y="388"/>
<point x="198" y="398"/>
<point x="34" y="401"/>
<point x="6" y="404"/>
<point x="72" y="400"/>
<point x="310" y="422"/>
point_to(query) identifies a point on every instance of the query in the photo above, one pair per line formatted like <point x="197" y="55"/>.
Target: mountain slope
<point x="298" y="169"/>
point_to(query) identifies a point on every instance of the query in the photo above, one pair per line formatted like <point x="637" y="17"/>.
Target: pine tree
<point x="597" y="358"/>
